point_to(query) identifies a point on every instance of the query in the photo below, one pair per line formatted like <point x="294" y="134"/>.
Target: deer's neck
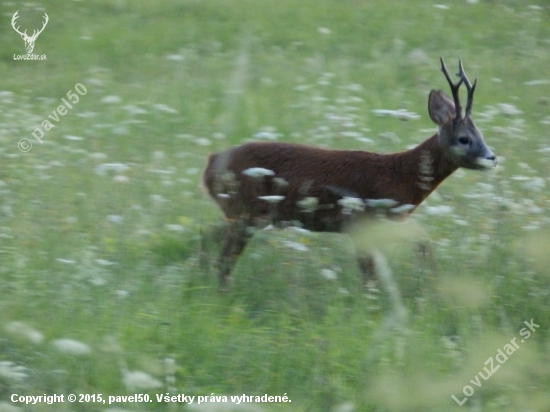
<point x="425" y="166"/>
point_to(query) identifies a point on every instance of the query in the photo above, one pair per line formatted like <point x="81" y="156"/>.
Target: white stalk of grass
<point x="388" y="282"/>
<point x="170" y="371"/>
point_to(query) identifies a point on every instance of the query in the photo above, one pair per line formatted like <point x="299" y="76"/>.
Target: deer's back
<point x="308" y="173"/>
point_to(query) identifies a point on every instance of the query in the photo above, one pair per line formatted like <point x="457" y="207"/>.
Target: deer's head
<point x="458" y="134"/>
<point x="29" y="40"/>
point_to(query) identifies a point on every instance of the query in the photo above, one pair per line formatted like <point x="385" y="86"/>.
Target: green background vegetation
<point x="113" y="259"/>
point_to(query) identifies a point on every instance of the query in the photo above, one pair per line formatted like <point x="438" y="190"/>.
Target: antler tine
<point x="469" y="87"/>
<point x="454" y="88"/>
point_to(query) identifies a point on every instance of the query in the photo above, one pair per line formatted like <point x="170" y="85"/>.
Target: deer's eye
<point x="464" y="140"/>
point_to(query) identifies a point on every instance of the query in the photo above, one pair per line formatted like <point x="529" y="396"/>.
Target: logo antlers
<point x="29" y="40"/>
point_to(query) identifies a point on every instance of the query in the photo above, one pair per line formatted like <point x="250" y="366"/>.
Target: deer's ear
<point x="440" y="107"/>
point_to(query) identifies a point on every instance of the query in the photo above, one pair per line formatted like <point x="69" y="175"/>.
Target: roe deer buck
<point x="314" y="186"/>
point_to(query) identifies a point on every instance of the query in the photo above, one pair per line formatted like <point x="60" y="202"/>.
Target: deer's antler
<point x="454" y="89"/>
<point x="469" y="87"/>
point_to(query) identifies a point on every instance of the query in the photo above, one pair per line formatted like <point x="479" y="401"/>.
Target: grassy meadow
<point x="103" y="286"/>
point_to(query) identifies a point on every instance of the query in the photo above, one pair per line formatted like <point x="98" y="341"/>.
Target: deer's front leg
<point x="235" y="241"/>
<point x="367" y="268"/>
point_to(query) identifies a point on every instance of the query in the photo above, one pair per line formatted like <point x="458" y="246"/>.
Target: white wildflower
<point x="350" y="204"/>
<point x="280" y="182"/>
<point x="25" y="331"/>
<point x="98" y="156"/>
<point x="418" y="56"/>
<point x="364" y="140"/>
<point x="329" y="274"/>
<point x="158" y="199"/>
<point x="161" y="171"/>
<point x="175" y="57"/>
<point x="381" y="203"/>
<point x="71" y="347"/>
<point x="354" y="87"/>
<point x="121" y="179"/>
<point x="400" y="114"/>
<point x="295" y="245"/>
<point x="271" y="199"/>
<point x="402" y="208"/>
<point x="137" y="380"/>
<point x="8" y="407"/>
<point x="132" y="109"/>
<point x="323" y="30"/>
<point x="538" y="82"/>
<point x="345" y="407"/>
<point x="102" y="168"/>
<point x="308" y="204"/>
<point x="175" y="228"/>
<point x="509" y="109"/>
<point x="535" y="184"/>
<point x="12" y="372"/>
<point x="120" y="130"/>
<point x="203" y="141"/>
<point x="111" y="99"/>
<point x="300" y="230"/>
<point x="520" y="178"/>
<point x="164" y="108"/>
<point x="97" y="280"/>
<point x="441" y="6"/>
<point x="267" y="133"/>
<point x="66" y="261"/>
<point x="158" y="155"/>
<point x="104" y="262"/>
<point x="73" y="138"/>
<point x="115" y="218"/>
<point x="438" y="210"/>
<point x="258" y="172"/>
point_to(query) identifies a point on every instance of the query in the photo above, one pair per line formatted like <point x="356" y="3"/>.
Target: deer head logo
<point x="29" y="40"/>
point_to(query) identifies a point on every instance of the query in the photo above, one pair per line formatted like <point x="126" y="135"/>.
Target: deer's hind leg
<point x="237" y="236"/>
